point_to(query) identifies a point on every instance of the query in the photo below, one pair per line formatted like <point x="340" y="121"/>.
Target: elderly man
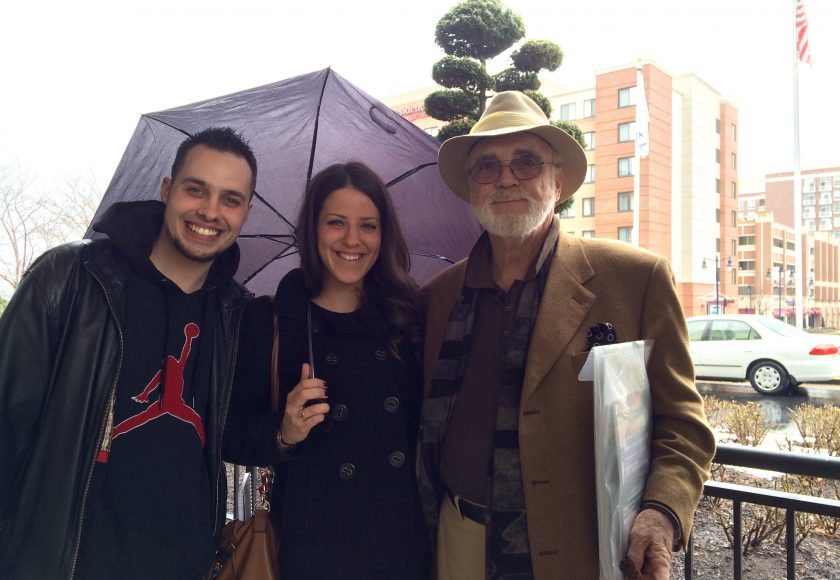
<point x="506" y="462"/>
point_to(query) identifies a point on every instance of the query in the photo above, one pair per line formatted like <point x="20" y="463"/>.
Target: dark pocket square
<point x="601" y="334"/>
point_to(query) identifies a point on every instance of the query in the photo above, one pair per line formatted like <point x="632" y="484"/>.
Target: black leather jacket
<point x="61" y="351"/>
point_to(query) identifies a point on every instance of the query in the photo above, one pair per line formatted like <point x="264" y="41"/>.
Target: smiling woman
<point x="349" y="375"/>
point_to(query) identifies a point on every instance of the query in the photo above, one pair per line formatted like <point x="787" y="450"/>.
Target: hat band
<point x="504" y="120"/>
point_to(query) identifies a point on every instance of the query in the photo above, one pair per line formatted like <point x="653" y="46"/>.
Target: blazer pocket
<point x="578" y="360"/>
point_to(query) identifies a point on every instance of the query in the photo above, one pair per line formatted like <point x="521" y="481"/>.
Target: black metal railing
<point x="790" y="463"/>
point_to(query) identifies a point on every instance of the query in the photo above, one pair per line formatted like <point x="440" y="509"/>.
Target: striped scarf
<point x="507" y="549"/>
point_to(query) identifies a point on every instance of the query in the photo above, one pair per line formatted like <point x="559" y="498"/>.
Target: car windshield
<point x="780" y="327"/>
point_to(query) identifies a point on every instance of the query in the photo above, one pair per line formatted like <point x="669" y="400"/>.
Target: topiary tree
<point x="575" y="132"/>
<point x="472" y="33"/>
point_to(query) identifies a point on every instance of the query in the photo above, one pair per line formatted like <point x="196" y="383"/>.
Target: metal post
<point x="780" y="292"/>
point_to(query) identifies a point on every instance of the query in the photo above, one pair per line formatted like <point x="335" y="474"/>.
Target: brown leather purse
<point x="249" y="550"/>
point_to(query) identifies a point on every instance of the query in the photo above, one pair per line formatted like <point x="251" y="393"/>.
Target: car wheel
<point x="769" y="378"/>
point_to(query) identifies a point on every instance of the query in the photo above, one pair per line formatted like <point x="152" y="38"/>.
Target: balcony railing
<point x="790" y="463"/>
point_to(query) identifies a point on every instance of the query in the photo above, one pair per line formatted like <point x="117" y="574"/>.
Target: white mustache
<point x="508" y="195"/>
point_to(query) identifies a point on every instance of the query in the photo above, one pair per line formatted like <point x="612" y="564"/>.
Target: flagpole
<point x="797" y="181"/>
<point x="640" y="148"/>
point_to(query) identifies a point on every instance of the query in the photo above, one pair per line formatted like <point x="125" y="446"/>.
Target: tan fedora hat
<point x="511" y="112"/>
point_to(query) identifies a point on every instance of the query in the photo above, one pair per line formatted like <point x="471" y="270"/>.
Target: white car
<point x="771" y="354"/>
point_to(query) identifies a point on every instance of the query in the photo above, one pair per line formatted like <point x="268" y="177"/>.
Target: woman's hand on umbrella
<point x="305" y="407"/>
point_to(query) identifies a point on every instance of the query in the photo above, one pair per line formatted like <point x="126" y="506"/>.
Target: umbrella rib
<point x="409" y="173"/>
<point x="271" y="207"/>
<point x="170" y="125"/>
<point x="315" y="131"/>
<point x="435" y="256"/>
<point x="282" y="254"/>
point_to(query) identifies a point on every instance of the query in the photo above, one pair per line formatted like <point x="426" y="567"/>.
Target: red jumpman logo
<point x="172" y="402"/>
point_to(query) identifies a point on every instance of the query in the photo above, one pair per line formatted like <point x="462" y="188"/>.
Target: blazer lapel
<point x="564" y="304"/>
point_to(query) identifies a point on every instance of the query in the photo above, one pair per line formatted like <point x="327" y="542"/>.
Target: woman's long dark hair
<point x="387" y="285"/>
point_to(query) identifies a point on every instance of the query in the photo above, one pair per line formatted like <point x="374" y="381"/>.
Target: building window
<point x="717" y="155"/>
<point x="587" y="234"/>
<point x="626" y="97"/>
<point x="825" y="183"/>
<point x="808" y="211"/>
<point x="589" y="139"/>
<point x="717" y="185"/>
<point x="717" y="245"/>
<point x="825" y="211"/>
<point x="588" y="108"/>
<point x="836" y="222"/>
<point x="717" y="126"/>
<point x="733" y="215"/>
<point x="626" y="132"/>
<point x="717" y="215"/>
<point x="809" y="199"/>
<point x="625" y="201"/>
<point x="825" y="197"/>
<point x="590" y="174"/>
<point x="588" y="206"/>
<point x="733" y="161"/>
<point x="733" y="132"/>
<point x="625" y="234"/>
<point x="810" y="225"/>
<point x="734" y="187"/>
<point x="567" y="112"/>
<point x="836" y="209"/>
<point x="810" y="184"/>
<point x="746" y="240"/>
<point x="825" y="224"/>
<point x="777" y="243"/>
<point x="625" y="166"/>
<point x="789" y="246"/>
<point x="568" y="211"/>
<point x="746" y="265"/>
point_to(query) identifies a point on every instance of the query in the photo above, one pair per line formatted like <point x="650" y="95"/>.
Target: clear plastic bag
<point x="622" y="417"/>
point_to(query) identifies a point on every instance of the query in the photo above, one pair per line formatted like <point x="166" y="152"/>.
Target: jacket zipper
<point x="223" y="419"/>
<point x="102" y="423"/>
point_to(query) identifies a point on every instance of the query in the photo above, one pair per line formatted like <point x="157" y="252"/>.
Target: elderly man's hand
<point x="651" y="538"/>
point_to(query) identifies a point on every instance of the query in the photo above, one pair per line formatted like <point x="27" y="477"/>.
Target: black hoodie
<point x="151" y="497"/>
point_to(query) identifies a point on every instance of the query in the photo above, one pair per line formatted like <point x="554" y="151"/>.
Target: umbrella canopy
<point x="298" y="127"/>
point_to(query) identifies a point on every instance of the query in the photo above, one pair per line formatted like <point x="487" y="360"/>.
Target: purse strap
<point x="275" y="378"/>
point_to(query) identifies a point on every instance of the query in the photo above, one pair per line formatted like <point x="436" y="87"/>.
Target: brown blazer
<point x="591" y="281"/>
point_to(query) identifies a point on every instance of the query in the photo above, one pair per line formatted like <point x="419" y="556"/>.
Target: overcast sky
<point x="78" y="75"/>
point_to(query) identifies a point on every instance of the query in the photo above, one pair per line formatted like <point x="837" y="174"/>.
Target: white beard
<point x="516" y="226"/>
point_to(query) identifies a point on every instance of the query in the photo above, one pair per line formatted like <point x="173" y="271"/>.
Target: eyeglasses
<point x="488" y="170"/>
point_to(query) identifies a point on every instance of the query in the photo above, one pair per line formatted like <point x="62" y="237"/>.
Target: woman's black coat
<point x="346" y="497"/>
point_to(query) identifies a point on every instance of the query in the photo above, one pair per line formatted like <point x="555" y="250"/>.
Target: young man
<point x="506" y="463"/>
<point x="116" y="360"/>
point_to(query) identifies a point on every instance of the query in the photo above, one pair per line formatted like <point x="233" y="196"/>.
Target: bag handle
<point x="275" y="378"/>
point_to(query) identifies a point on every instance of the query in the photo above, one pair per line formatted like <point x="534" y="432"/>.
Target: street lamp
<point x="770" y="277"/>
<point x="717" y="280"/>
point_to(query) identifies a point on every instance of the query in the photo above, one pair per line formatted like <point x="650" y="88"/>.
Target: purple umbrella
<point x="296" y="128"/>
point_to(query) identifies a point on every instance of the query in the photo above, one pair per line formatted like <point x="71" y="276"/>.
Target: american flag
<point x="802" y="33"/>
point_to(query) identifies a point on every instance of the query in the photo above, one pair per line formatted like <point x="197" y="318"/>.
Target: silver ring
<point x="301" y="415"/>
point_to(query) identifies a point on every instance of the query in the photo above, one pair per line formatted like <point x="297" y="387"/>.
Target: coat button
<point x="339" y="412"/>
<point x="396" y="459"/>
<point x="392" y="404"/>
<point x="380" y="353"/>
<point x="331" y="359"/>
<point x="347" y="471"/>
